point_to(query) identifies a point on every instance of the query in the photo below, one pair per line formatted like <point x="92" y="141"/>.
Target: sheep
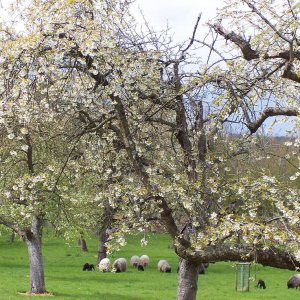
<point x="144" y="260"/>
<point x="261" y="284"/>
<point x="119" y="265"/>
<point x="294" y="281"/>
<point x="163" y="266"/>
<point x="140" y="268"/>
<point x="88" y="267"/>
<point x="104" y="265"/>
<point x="135" y="261"/>
<point x="203" y="267"/>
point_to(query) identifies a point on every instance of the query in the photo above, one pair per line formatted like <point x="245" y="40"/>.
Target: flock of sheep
<point x="140" y="263"/>
<point x="120" y="264"/>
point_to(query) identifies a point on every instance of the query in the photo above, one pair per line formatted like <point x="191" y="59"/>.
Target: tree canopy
<point x="150" y="123"/>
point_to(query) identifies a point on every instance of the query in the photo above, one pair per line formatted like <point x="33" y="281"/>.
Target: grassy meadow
<point x="66" y="280"/>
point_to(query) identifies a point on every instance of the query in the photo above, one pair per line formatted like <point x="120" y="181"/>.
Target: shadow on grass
<point x="98" y="295"/>
<point x="16" y="265"/>
<point x="96" y="278"/>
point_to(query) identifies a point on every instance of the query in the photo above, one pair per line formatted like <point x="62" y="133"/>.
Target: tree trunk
<point x="103" y="233"/>
<point x="82" y="243"/>
<point x="84" y="247"/>
<point x="12" y="236"/>
<point x="34" y="246"/>
<point x="188" y="280"/>
<point x="102" y="245"/>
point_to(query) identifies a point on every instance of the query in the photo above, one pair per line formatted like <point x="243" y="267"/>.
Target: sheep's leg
<point x="34" y="246"/>
<point x="188" y="280"/>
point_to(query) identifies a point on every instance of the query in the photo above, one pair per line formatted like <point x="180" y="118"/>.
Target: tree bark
<point x="103" y="233"/>
<point x="188" y="280"/>
<point x="34" y="245"/>
<point x="82" y="243"/>
<point x="102" y="249"/>
<point x="84" y="247"/>
<point x="12" y="236"/>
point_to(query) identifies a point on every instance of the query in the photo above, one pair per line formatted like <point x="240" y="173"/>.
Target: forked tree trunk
<point x="34" y="245"/>
<point x="188" y="280"/>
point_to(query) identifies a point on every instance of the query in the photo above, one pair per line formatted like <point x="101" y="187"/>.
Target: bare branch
<point x="271" y="112"/>
<point x="192" y="38"/>
<point x="254" y="9"/>
<point x="244" y="45"/>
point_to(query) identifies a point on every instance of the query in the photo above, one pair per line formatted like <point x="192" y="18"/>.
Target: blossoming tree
<point x="158" y="131"/>
<point x="42" y="163"/>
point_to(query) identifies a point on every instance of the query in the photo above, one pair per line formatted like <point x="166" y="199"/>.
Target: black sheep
<point x="203" y="267"/>
<point x="261" y="284"/>
<point x="141" y="268"/>
<point x="88" y="267"/>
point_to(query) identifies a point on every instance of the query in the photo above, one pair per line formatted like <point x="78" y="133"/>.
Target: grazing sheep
<point x="206" y="264"/>
<point x="294" y="281"/>
<point x="163" y="266"/>
<point x="140" y="268"/>
<point x="135" y="261"/>
<point x="119" y="265"/>
<point x="88" y="267"/>
<point x="203" y="267"/>
<point x="261" y="284"/>
<point x="104" y="265"/>
<point x="144" y="260"/>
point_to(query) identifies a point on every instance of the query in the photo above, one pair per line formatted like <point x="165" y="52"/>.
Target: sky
<point x="180" y="15"/>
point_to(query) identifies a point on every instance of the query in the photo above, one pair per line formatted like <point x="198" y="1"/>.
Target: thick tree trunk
<point x="34" y="246"/>
<point x="188" y="280"/>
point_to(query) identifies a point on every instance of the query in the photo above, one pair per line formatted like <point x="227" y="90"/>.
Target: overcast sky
<point x="180" y="15"/>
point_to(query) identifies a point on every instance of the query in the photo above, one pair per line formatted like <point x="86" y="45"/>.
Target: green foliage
<point x="65" y="278"/>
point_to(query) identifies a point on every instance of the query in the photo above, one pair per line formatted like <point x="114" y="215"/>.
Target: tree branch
<point x="271" y="112"/>
<point x="272" y="256"/>
<point x="248" y="52"/>
<point x="254" y="9"/>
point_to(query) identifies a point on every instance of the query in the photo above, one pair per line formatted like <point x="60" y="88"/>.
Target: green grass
<point x="65" y="278"/>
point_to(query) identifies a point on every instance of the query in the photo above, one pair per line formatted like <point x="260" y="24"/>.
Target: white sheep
<point x="144" y="260"/>
<point x="104" y="265"/>
<point x="163" y="266"/>
<point x="135" y="261"/>
<point x="119" y="265"/>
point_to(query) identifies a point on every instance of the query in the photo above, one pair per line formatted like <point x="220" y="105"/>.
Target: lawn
<point x="66" y="280"/>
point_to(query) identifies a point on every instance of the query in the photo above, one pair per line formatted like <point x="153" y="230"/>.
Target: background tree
<point x="41" y="165"/>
